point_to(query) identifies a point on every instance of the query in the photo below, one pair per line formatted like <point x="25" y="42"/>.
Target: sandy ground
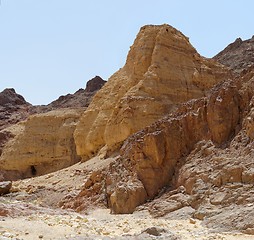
<point x="35" y="216"/>
<point x="100" y="224"/>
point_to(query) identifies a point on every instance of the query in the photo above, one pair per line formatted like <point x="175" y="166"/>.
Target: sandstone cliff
<point x="42" y="144"/>
<point x="161" y="71"/>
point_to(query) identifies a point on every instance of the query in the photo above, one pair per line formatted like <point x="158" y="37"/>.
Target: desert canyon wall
<point x="162" y="70"/>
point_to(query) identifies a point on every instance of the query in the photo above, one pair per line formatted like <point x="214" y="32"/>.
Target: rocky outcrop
<point x="5" y="187"/>
<point x="239" y="55"/>
<point x="161" y="71"/>
<point x="42" y="144"/>
<point x="10" y="97"/>
<point x="13" y="108"/>
<point x="198" y="157"/>
<point x="195" y="158"/>
<point x="181" y="154"/>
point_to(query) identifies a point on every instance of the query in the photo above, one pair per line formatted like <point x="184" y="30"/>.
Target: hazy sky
<point x="52" y="47"/>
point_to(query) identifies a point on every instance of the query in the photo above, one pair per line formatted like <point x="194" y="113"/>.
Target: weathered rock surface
<point x="239" y="55"/>
<point x="200" y="155"/>
<point x="198" y="158"/>
<point x="161" y="71"/>
<point x="5" y="187"/>
<point x="42" y="144"/>
<point x="157" y="150"/>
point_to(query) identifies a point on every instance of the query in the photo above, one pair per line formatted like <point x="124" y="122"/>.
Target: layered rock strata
<point x="183" y="149"/>
<point x="161" y="71"/>
<point x="200" y="156"/>
<point x="44" y="143"/>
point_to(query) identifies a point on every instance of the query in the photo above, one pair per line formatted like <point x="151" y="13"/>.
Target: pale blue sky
<point x="52" y="47"/>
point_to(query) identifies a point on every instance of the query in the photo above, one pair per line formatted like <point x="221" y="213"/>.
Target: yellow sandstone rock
<point x="42" y="144"/>
<point x="162" y="70"/>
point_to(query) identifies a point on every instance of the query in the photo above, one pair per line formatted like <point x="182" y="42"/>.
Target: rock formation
<point x="80" y="99"/>
<point x="161" y="71"/>
<point x="239" y="55"/>
<point x="199" y="156"/>
<point x="13" y="108"/>
<point x="44" y="142"/>
<point x="5" y="187"/>
<point x="173" y="131"/>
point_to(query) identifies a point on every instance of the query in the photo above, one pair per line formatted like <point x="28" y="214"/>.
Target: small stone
<point x="249" y="231"/>
<point x="40" y="236"/>
<point x="154" y="231"/>
<point x="5" y="187"/>
<point x="193" y="221"/>
<point x="126" y="230"/>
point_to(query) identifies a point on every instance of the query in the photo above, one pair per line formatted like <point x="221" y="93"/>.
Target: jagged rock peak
<point x="9" y="96"/>
<point x="80" y="98"/>
<point x="239" y="55"/>
<point x="94" y="84"/>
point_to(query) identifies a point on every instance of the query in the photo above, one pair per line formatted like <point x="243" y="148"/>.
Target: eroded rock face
<point x="42" y="144"/>
<point x="223" y="112"/>
<point x="158" y="151"/>
<point x="162" y="70"/>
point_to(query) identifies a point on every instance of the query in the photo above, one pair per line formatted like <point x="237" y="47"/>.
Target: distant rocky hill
<point x="13" y="108"/>
<point x="79" y="99"/>
<point x="239" y="55"/>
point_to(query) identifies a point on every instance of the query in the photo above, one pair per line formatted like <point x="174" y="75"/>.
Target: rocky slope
<point x="200" y="156"/>
<point x="239" y="55"/>
<point x="162" y="70"/>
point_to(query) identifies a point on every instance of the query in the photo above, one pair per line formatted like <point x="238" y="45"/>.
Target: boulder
<point x="5" y="187"/>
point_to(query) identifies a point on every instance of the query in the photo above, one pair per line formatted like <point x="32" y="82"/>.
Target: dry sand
<point x="100" y="224"/>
